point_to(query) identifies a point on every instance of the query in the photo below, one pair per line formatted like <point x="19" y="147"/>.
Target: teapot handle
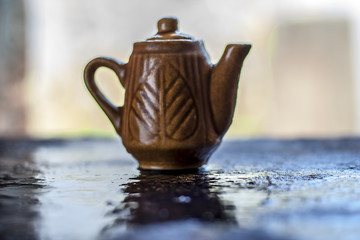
<point x="113" y="112"/>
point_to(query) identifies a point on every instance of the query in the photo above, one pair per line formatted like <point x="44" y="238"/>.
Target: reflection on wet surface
<point x="257" y="189"/>
<point x="153" y="197"/>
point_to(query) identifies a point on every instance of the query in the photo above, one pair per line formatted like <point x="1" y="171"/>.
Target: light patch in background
<point x="64" y="35"/>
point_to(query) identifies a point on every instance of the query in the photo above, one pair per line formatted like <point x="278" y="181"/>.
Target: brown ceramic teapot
<point x="178" y="105"/>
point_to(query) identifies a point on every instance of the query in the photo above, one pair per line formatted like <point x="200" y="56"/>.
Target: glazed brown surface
<point x="178" y="105"/>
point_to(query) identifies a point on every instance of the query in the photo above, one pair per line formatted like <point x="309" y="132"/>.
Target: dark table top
<point x="251" y="189"/>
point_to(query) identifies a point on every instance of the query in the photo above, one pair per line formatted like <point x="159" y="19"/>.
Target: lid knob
<point x="168" y="24"/>
<point x="168" y="30"/>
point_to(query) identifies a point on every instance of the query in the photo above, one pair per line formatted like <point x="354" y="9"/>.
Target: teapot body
<point x="178" y="105"/>
<point x="166" y="114"/>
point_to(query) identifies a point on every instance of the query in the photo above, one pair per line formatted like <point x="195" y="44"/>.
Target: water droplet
<point x="183" y="199"/>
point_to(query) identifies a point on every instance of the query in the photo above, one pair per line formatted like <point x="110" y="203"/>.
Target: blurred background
<point x="301" y="78"/>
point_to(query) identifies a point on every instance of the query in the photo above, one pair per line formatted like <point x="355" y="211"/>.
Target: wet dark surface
<point x="252" y="189"/>
<point x="19" y="187"/>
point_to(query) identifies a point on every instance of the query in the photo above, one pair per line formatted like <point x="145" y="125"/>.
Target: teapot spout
<point x="224" y="83"/>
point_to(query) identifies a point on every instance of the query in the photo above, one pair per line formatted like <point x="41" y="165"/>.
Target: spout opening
<point x="239" y="44"/>
<point x="241" y="47"/>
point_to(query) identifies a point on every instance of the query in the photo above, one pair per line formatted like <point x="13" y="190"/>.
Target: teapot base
<point x="173" y="159"/>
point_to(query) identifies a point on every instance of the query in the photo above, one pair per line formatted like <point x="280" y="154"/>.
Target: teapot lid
<point x="168" y="30"/>
<point x="168" y="39"/>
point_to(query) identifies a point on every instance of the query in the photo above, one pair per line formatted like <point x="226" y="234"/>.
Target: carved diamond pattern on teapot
<point x="180" y="110"/>
<point x="145" y="107"/>
<point x="163" y="105"/>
